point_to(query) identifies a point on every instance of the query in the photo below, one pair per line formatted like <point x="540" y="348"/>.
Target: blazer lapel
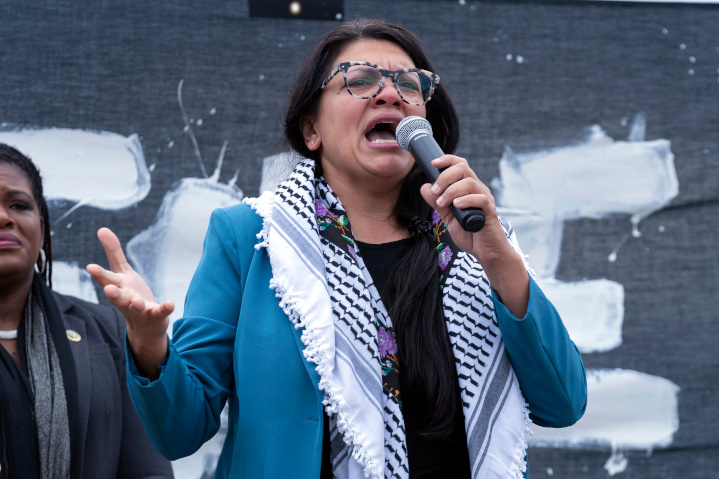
<point x="77" y="339"/>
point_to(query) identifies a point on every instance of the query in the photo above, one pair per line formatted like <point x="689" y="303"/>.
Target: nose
<point x="388" y="94"/>
<point x="6" y="219"/>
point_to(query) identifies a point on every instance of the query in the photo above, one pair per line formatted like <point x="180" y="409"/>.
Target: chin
<point x="13" y="266"/>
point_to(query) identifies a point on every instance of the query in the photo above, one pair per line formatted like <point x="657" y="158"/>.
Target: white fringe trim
<point x="519" y="462"/>
<point x="333" y="401"/>
<point x="263" y="207"/>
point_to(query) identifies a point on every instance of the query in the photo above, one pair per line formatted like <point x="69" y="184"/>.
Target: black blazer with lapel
<point x="107" y="437"/>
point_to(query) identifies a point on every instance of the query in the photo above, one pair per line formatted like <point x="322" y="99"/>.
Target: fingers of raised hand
<point x="161" y="311"/>
<point x="124" y="298"/>
<point x="113" y="250"/>
<point x="102" y="275"/>
<point x="153" y="312"/>
<point x="134" y="306"/>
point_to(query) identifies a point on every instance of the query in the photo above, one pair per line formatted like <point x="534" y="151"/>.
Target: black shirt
<point x="428" y="458"/>
<point x="19" y="456"/>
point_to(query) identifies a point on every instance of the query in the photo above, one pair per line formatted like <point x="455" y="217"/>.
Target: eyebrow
<point x="21" y="193"/>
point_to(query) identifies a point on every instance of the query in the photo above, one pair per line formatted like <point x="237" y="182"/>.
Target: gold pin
<point x="73" y="336"/>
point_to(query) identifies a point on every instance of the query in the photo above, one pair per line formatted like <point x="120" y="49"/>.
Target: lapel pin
<point x="73" y="336"/>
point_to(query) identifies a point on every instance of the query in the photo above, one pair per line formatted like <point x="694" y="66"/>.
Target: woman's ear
<point x="310" y="133"/>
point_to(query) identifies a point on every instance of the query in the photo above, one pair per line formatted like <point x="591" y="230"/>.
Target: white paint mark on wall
<point x="166" y="254"/>
<point x="69" y="278"/>
<point x="541" y="237"/>
<point x="592" y="311"/>
<point x="95" y="168"/>
<point x="595" y="178"/>
<point x="627" y="409"/>
<point x="617" y="462"/>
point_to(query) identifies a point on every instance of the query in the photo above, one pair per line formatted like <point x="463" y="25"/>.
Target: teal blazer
<point x="235" y="345"/>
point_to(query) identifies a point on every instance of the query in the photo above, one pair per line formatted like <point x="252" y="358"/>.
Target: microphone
<point x="414" y="134"/>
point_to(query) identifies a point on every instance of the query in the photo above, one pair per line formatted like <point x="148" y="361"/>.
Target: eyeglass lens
<point x="363" y="81"/>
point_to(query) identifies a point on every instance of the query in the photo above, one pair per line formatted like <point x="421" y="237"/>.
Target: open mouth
<point x="382" y="132"/>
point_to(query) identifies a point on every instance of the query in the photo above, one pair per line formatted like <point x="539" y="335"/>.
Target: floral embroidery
<point x="335" y="225"/>
<point x="435" y="217"/>
<point x="321" y="209"/>
<point x="444" y="256"/>
<point x="387" y="342"/>
<point x="445" y="251"/>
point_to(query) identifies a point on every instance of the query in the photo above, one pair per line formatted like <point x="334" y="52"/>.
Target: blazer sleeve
<point x="181" y="409"/>
<point x="138" y="459"/>
<point x="546" y="362"/>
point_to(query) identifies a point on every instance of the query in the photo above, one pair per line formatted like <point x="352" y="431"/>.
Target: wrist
<point x="148" y="354"/>
<point x="510" y="281"/>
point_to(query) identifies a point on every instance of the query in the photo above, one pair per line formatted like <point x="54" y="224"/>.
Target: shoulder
<point x="240" y="221"/>
<point x="68" y="303"/>
<point x="236" y="229"/>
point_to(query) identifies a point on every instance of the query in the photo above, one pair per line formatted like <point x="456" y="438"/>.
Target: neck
<point x="370" y="210"/>
<point x="12" y="304"/>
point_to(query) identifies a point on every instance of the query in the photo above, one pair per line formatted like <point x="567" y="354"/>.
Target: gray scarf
<point x="50" y="404"/>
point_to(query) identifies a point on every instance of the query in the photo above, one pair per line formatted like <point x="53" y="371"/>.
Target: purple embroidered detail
<point x="444" y="257"/>
<point x="387" y="342"/>
<point x="435" y="217"/>
<point x="321" y="209"/>
<point x="351" y="251"/>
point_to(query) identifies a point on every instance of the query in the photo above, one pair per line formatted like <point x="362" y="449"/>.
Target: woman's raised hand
<point x="147" y="321"/>
<point x="457" y="184"/>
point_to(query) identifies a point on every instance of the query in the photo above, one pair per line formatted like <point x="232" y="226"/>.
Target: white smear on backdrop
<point x="167" y="253"/>
<point x="627" y="410"/>
<point x="595" y="178"/>
<point x="71" y="279"/>
<point x="95" y="168"/>
<point x="592" y="311"/>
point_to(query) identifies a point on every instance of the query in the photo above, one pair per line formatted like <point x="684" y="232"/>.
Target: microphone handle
<point x="471" y="219"/>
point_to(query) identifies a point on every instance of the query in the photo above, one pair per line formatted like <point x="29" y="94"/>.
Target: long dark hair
<point x="11" y="156"/>
<point x="412" y="288"/>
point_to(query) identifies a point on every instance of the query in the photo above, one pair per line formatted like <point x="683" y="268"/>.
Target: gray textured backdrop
<point x="115" y="66"/>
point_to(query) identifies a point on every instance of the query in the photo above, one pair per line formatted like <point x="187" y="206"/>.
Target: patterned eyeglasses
<point x="365" y="80"/>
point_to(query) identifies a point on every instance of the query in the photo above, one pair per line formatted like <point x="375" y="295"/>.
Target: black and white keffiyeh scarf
<point x="327" y="291"/>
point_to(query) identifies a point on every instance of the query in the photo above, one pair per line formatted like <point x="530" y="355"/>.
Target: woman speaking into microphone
<point x="350" y="323"/>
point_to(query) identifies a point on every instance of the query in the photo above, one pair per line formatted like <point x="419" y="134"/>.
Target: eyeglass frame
<point x="344" y="66"/>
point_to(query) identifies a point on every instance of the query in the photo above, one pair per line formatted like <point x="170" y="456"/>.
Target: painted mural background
<point x="597" y="125"/>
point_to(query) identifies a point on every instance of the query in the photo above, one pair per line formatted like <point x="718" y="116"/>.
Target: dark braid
<point x="11" y="156"/>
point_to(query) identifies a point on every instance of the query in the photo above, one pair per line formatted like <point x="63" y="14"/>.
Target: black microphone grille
<point x="408" y="126"/>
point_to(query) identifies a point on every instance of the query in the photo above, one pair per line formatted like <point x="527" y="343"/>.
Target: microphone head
<point x="408" y="127"/>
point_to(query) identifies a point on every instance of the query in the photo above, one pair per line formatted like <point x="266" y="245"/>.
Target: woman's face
<point x="353" y="149"/>
<point x="21" y="225"/>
